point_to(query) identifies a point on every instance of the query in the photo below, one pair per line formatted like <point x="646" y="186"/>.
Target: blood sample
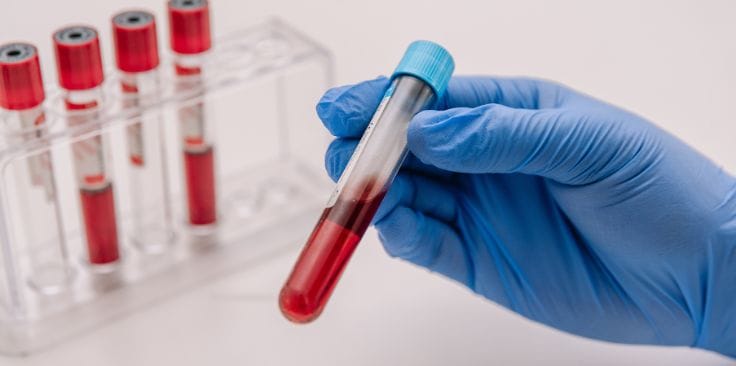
<point x="326" y="253"/>
<point x="190" y="40"/>
<point x="79" y="66"/>
<point x="420" y="78"/>
<point x="136" y="56"/>
<point x="200" y="179"/>
<point x="21" y="98"/>
<point x="98" y="208"/>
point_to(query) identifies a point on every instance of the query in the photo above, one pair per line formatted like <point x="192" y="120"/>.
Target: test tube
<point x="21" y="97"/>
<point x="136" y="55"/>
<point x="79" y="68"/>
<point x="420" y="78"/>
<point x="189" y="26"/>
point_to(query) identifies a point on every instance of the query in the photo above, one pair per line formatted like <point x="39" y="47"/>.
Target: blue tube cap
<point x="429" y="62"/>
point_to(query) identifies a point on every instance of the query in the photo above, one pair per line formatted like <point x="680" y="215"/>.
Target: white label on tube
<point x="361" y="145"/>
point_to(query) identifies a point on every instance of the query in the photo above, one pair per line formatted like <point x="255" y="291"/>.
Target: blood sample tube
<point x="421" y="77"/>
<point x="79" y="67"/>
<point x="190" y="38"/>
<point x="21" y="97"/>
<point x="136" y="55"/>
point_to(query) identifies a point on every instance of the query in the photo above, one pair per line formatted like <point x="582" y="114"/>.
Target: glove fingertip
<point x="332" y="168"/>
<point x="326" y="102"/>
<point x="323" y="108"/>
<point x="337" y="157"/>
<point x="345" y="111"/>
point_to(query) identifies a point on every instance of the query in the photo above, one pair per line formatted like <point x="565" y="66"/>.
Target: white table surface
<point x="671" y="61"/>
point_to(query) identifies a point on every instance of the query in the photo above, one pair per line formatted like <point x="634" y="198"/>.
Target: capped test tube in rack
<point x="189" y="28"/>
<point x="137" y="59"/>
<point x="24" y="123"/>
<point x="79" y="66"/>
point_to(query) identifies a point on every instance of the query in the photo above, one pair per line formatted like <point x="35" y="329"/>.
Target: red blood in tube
<point x="128" y="88"/>
<point x="325" y="255"/>
<point x="73" y="106"/>
<point x="79" y="66"/>
<point x="186" y="71"/>
<point x="136" y="160"/>
<point x="98" y="212"/>
<point x="199" y="170"/>
<point x="189" y="34"/>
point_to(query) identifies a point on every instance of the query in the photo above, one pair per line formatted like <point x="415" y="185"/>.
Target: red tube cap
<point x="189" y="26"/>
<point x="78" y="59"/>
<point x="21" y="86"/>
<point x="136" y="48"/>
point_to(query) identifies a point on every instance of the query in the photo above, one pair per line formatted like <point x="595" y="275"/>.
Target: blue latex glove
<point x="562" y="208"/>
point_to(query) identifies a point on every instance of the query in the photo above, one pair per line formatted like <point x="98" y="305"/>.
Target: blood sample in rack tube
<point x="190" y="39"/>
<point x="79" y="67"/>
<point x="137" y="59"/>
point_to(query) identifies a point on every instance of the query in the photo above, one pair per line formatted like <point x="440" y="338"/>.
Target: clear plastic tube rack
<point x="256" y="87"/>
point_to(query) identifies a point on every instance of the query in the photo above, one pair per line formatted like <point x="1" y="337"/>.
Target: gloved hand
<point x="562" y="208"/>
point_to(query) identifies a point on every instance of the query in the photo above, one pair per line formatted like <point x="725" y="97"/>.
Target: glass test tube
<point x="79" y="66"/>
<point x="421" y="76"/>
<point x="21" y="96"/>
<point x="190" y="39"/>
<point x="136" y="55"/>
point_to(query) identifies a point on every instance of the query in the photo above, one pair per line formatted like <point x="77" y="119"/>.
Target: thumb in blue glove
<point x="562" y="208"/>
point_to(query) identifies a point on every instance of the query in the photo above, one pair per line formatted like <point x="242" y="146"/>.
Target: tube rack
<point x="260" y="88"/>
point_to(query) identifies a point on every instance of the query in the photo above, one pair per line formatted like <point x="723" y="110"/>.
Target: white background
<point x="673" y="62"/>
